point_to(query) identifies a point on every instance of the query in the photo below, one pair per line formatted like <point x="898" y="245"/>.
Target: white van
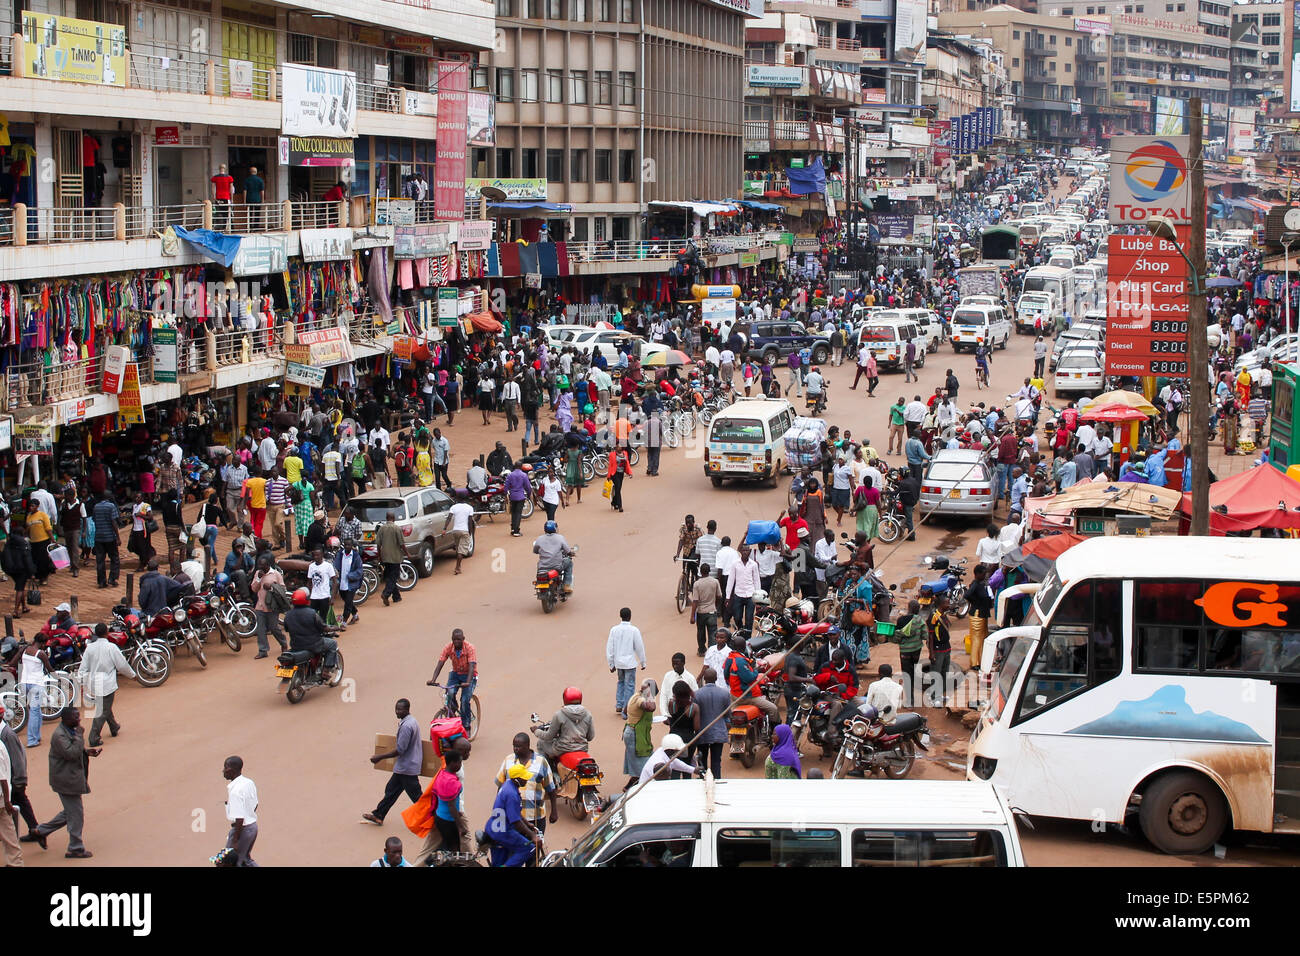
<point x="806" y="823"/>
<point x="887" y="334"/>
<point x="1030" y="306"/>
<point x="929" y="327"/>
<point x="745" y="441"/>
<point x="973" y="324"/>
<point x="1032" y="209"/>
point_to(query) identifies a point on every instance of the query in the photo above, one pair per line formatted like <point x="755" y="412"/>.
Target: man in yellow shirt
<point x="255" y="495"/>
<point x="293" y="465"/>
<point x="41" y="534"/>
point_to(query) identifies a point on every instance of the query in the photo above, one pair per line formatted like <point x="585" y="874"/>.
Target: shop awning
<point x="700" y="209"/>
<point x="217" y="246"/>
<point x="1260" y="498"/>
<point x="530" y="209"/>
<point x="761" y="206"/>
<point x="484" y="322"/>
<point x="1259" y="205"/>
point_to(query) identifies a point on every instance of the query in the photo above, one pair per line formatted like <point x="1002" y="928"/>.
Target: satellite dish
<point x="492" y="193"/>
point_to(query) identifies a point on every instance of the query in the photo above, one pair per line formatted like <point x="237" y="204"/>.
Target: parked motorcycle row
<point x="861" y="741"/>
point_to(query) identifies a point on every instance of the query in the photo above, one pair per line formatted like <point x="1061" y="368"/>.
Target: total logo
<point x="1154" y="171"/>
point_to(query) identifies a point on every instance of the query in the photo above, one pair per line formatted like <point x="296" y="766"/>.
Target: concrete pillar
<point x="210" y="344"/>
<point x="211" y="79"/>
<point x="288" y="333"/>
<point x="286" y="216"/>
<point x="19" y="65"/>
<point x="341" y="214"/>
<point x="119" y="221"/>
<point x="20" y="224"/>
<point x="207" y="214"/>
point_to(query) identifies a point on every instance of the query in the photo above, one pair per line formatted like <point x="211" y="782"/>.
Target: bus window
<point x="778" y="848"/>
<point x="1166" y="630"/>
<point x="908" y="848"/>
<point x="1079" y="649"/>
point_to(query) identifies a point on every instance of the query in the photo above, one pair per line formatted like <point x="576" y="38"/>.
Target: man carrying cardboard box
<point x="409" y="758"/>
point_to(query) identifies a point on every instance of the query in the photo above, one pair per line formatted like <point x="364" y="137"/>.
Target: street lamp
<point x="1288" y="240"/>
<point x="1162" y="227"/>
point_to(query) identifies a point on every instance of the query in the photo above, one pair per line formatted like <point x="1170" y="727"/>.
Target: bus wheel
<point x="1183" y="812"/>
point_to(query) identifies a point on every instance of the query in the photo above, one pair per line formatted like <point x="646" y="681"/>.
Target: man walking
<point x="1040" y="356"/>
<point x="538" y="792"/>
<point x="743" y="583"/>
<point x="241" y="811"/>
<point x="897" y="431"/>
<point x="713" y="700"/>
<point x="9" y="813"/>
<point x="100" y="665"/>
<point x="909" y="360"/>
<point x="864" y="361"/>
<point x="706" y="595"/>
<point x="270" y="602"/>
<point x="407" y="757"/>
<point x="518" y="488"/>
<point x="17" y="755"/>
<point x="624" y="650"/>
<point x="235" y="473"/>
<point x="392" y="552"/>
<point x="441" y="459"/>
<point x="69" y="762"/>
<point x="105" y="516"/>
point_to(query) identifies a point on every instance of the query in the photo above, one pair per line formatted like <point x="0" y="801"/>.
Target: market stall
<point x="1262" y="497"/>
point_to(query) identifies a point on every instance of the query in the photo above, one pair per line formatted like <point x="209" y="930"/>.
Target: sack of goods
<point x="763" y="532"/>
<point x="803" y="442"/>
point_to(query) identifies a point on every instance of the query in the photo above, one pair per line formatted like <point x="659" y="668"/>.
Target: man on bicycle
<point x="981" y="365"/>
<point x="464" y="674"/>
<point x="687" y="535"/>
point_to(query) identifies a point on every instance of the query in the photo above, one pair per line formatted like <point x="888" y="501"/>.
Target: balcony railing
<point x="378" y="98"/>
<point x="316" y="215"/>
<point x="6" y="53"/>
<point x="264" y="84"/>
<point x="52" y="225"/>
<point x="168" y="74"/>
<point x="31" y="383"/>
<point x="838" y="43"/>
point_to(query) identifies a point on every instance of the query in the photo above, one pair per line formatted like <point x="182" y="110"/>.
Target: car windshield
<point x="375" y="510"/>
<point x="595" y="839"/>
<point x="963" y="317"/>
<point x="737" y="430"/>
<point x="878" y="333"/>
<point x="1078" y="359"/>
<point x="1006" y="678"/>
<point x="954" y="471"/>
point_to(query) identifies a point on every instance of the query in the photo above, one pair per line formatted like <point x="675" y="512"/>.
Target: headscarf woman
<point x="866" y="505"/>
<point x="813" y="509"/>
<point x="564" y="412"/>
<point x="783" y="762"/>
<point x="639" y="712"/>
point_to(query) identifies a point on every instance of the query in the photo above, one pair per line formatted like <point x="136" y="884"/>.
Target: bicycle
<point x="451" y="708"/>
<point x="685" y="583"/>
<point x="981" y="376"/>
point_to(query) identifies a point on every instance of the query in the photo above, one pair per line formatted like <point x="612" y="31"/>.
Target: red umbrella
<point x="1113" y="413"/>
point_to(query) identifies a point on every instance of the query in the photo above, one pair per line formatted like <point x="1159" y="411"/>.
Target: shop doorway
<point x="181" y="175"/>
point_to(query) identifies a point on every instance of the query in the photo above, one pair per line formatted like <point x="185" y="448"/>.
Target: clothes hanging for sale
<point x="422" y="271"/>
<point x="405" y="275"/>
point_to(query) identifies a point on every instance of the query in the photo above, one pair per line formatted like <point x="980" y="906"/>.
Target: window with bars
<point x="505" y="85"/>
<point x="626" y="89"/>
<point x="505" y="8"/>
<point x="578" y="10"/>
<point x="528" y="168"/>
<point x="604" y="87"/>
<point x="505" y="163"/>
<point x="627" y="165"/>
<point x="555" y="165"/>
<point x="528" y="86"/>
<point x="578" y="166"/>
<point x="604" y="165"/>
<point x="313" y="51"/>
<point x="578" y="87"/>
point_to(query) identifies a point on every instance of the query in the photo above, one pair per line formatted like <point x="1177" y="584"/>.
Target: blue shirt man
<point x="1019" y="488"/>
<point x="509" y="846"/>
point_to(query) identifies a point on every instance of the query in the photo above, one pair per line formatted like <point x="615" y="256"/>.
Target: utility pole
<point x="1197" y="359"/>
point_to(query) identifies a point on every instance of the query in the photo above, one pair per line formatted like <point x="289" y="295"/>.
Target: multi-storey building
<point x="961" y="74"/>
<point x="616" y="105"/>
<point x="1269" y="40"/>
<point x="1041" y="54"/>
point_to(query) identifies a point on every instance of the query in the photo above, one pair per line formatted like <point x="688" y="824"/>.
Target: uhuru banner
<point x="79" y="51"/>
<point x="318" y="102"/>
<point x="449" y="163"/>
<point x="1149" y="177"/>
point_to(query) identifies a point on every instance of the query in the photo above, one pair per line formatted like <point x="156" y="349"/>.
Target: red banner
<point x="1147" y="307"/>
<point x="449" y="163"/>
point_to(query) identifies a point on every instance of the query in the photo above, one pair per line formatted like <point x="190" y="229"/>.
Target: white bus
<point x="1156" y="676"/>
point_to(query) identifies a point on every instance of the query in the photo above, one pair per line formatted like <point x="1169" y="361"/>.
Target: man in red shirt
<point x="464" y="673"/>
<point x="838" y="670"/>
<point x="1007" y="453"/>
<point x="792" y="523"/>
<point x="223" y="185"/>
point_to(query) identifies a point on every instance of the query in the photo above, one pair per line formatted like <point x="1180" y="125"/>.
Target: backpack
<point x="295" y="495"/>
<point x="277" y="599"/>
<point x="358" y="465"/>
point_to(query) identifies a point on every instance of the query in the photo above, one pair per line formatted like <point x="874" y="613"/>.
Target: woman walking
<point x="19" y="565"/>
<point x="620" y="466"/>
<point x="639" y="716"/>
<point x="866" y="500"/>
<point x="213" y="517"/>
<point x="813" y="509"/>
<point x="683" y="719"/>
<point x="573" y="480"/>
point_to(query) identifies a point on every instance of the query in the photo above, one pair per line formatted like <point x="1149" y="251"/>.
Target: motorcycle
<point x="868" y="745"/>
<point x="204" y="611"/>
<point x="579" y="777"/>
<point x="749" y="727"/>
<point x="172" y="626"/>
<point x="237" y="617"/>
<point x="150" y="659"/>
<point x="948" y="583"/>
<point x="299" y="670"/>
<point x="548" y="585"/>
<point x="813" y="714"/>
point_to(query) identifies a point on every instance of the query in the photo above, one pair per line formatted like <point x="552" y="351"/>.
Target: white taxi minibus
<point x="973" y="324"/>
<point x="887" y="334"/>
<point x="822" y="823"/>
<point x="745" y="441"/>
<point x="1155" y="677"/>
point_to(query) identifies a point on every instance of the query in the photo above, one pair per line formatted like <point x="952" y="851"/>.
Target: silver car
<point x="1081" y="369"/>
<point x="958" y="481"/>
<point x="1077" y="334"/>
<point x="423" y="514"/>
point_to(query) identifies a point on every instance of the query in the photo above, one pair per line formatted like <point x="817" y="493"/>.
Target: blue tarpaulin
<point x="531" y="208"/>
<point x="761" y="206"/>
<point x="811" y="179"/>
<point x="217" y="246"/>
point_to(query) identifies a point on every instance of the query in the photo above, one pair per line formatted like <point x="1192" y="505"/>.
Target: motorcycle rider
<point x="742" y="677"/>
<point x="309" y="632"/>
<point x="157" y="591"/>
<point x="570" y="731"/>
<point x="554" y="554"/>
<point x="838" y="670"/>
<point x="62" y="619"/>
<point x="814" y="387"/>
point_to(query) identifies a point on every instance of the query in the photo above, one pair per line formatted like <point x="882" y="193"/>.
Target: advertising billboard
<point x="1241" y="129"/>
<point x="1170" y="115"/>
<point x="481" y="117"/>
<point x="452" y="133"/>
<point x="1149" y="177"/>
<point x="76" y="51"/>
<point x="318" y="102"/>
<point x="909" y="31"/>
<point x="1147" y="307"/>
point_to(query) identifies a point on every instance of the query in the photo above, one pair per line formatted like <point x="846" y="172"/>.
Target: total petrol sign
<point x="1149" y="176"/>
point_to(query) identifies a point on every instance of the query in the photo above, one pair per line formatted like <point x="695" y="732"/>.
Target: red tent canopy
<point x="483" y="322"/>
<point x="1050" y="547"/>
<point x="1260" y="498"/>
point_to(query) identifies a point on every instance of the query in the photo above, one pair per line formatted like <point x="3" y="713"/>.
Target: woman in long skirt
<point x="639" y="712"/>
